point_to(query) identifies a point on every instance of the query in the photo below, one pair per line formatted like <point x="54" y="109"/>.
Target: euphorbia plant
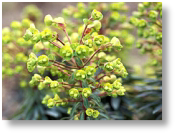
<point x="82" y="79"/>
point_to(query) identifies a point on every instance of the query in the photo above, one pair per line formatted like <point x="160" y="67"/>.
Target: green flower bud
<point x="15" y="25"/>
<point x="90" y="71"/>
<point x="108" y="87"/>
<point x="121" y="91"/>
<point x="89" y="43"/>
<point x="41" y="86"/>
<point x="82" y="51"/>
<point x="101" y="55"/>
<point x="89" y="112"/>
<point x="141" y="7"/>
<point x="23" y="83"/>
<point x="142" y="23"/>
<point x="28" y="35"/>
<point x="116" y="84"/>
<point x="59" y="23"/>
<point x="51" y="103"/>
<point x="54" y="85"/>
<point x="18" y="69"/>
<point x="86" y="92"/>
<point x="74" y="93"/>
<point x="46" y="34"/>
<point x="108" y="66"/>
<point x="134" y="21"/>
<point x="6" y="39"/>
<point x="80" y="75"/>
<point x="56" y="97"/>
<point x="99" y="40"/>
<point x="146" y="4"/>
<point x="36" y="78"/>
<point x="153" y="15"/>
<point x="47" y="80"/>
<point x="115" y="16"/>
<point x="95" y="113"/>
<point x="48" y="20"/>
<point x="41" y="69"/>
<point x="159" y="37"/>
<point x="26" y="23"/>
<point x="5" y="31"/>
<point x="116" y="43"/>
<point x="96" y="15"/>
<point x="66" y="52"/>
<point x="43" y="60"/>
<point x="96" y="25"/>
<point x="31" y="62"/>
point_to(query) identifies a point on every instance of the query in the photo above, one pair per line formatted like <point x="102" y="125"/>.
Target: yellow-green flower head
<point x="46" y="34"/>
<point x="26" y="23"/>
<point x="80" y="75"/>
<point x="41" y="86"/>
<point x="121" y="91"/>
<point x="108" y="66"/>
<point x="66" y="52"/>
<point x="89" y="112"/>
<point x="7" y="57"/>
<point x="82" y="51"/>
<point x="59" y="23"/>
<point x="74" y="93"/>
<point x="28" y="35"/>
<point x="153" y="14"/>
<point x="89" y="43"/>
<point x="147" y="4"/>
<point x="141" y="7"/>
<point x="56" y="97"/>
<point x="54" y="84"/>
<point x="21" y="41"/>
<point x="15" y="25"/>
<point x="95" y="113"/>
<point x="114" y="94"/>
<point x="43" y="60"/>
<point x="159" y="36"/>
<point x="134" y="21"/>
<point x="41" y="69"/>
<point x="51" y="103"/>
<point x="18" y="69"/>
<point x="23" y="83"/>
<point x="47" y="80"/>
<point x="74" y="45"/>
<point x="99" y="40"/>
<point x="116" y="43"/>
<point x="5" y="31"/>
<point x="96" y="15"/>
<point x="115" y="16"/>
<point x="142" y="23"/>
<point x="108" y="87"/>
<point x="20" y="57"/>
<point x="6" y="39"/>
<point x="31" y="62"/>
<point x="101" y="55"/>
<point x="96" y="25"/>
<point x="86" y="92"/>
<point x="90" y="70"/>
<point x="116" y="84"/>
<point x="36" y="78"/>
<point x="48" y="20"/>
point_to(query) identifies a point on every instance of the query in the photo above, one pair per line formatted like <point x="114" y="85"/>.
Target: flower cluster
<point x="73" y="61"/>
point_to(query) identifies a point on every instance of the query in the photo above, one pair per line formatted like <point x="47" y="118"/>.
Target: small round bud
<point x="48" y="20"/>
<point x="26" y="23"/>
<point x="82" y="51"/>
<point x="99" y="40"/>
<point x="108" y="87"/>
<point x="80" y="75"/>
<point x="96" y="15"/>
<point x="95" y="113"/>
<point x="116" y="43"/>
<point x="43" y="60"/>
<point x="74" y="93"/>
<point x="153" y="15"/>
<point x="15" y="25"/>
<point x="90" y="71"/>
<point x="89" y="112"/>
<point x="86" y="92"/>
<point x="66" y="52"/>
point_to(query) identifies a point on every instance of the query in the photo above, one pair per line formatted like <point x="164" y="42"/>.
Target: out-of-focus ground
<point x="11" y="11"/>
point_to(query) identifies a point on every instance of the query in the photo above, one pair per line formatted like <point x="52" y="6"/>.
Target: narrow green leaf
<point x="92" y="79"/>
<point x="98" y="103"/>
<point x="74" y="109"/>
<point x="102" y="114"/>
<point x="86" y="102"/>
<point x="71" y="80"/>
<point x="84" y="84"/>
<point x="82" y="116"/>
<point x="78" y="61"/>
<point x="95" y="97"/>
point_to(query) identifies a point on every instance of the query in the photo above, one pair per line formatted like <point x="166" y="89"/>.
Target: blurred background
<point x="12" y="11"/>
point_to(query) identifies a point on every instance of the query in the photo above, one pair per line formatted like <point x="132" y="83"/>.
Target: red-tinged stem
<point x="91" y="58"/>
<point x="67" y="36"/>
<point x="71" y="67"/>
<point x="60" y="41"/>
<point x="63" y="71"/>
<point x="54" y="43"/>
<point x="83" y="34"/>
<point x="63" y="67"/>
<point x="101" y="77"/>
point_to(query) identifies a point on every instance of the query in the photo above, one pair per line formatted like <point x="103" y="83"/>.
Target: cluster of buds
<point x="92" y="112"/>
